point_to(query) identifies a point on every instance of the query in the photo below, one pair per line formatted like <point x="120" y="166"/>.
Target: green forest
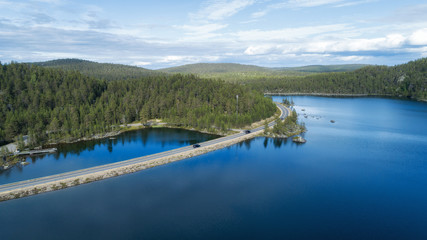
<point x="52" y="104"/>
<point x="68" y="99"/>
<point x="407" y="80"/>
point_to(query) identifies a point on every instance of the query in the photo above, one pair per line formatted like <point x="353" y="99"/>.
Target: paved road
<point x="62" y="176"/>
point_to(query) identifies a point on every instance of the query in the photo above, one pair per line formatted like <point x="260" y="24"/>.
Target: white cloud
<point x="259" y="14"/>
<point x="310" y="3"/>
<point x="419" y="37"/>
<point x="297" y="4"/>
<point x="350" y="45"/>
<point x="141" y="63"/>
<point x="187" y="59"/>
<point x="201" y="29"/>
<point x="353" y="58"/>
<point x="354" y="3"/>
<point x="288" y="34"/>
<point x="260" y="49"/>
<point x="169" y="59"/>
<point x="409" y="14"/>
<point x="49" y="1"/>
<point x="216" y="10"/>
<point x="35" y="30"/>
<point x="308" y="47"/>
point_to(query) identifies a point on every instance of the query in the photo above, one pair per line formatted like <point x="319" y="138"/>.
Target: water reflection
<point x="163" y="136"/>
<point x="85" y="154"/>
<point x="280" y="142"/>
<point x="265" y="142"/>
<point x="110" y="146"/>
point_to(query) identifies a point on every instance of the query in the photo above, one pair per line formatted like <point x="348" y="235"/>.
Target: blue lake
<point x="362" y="177"/>
<point x="98" y="152"/>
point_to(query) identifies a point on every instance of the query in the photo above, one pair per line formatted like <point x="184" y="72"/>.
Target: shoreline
<point x="330" y="94"/>
<point x="131" y="127"/>
<point x="137" y="126"/>
<point x="345" y="95"/>
<point x="74" y="178"/>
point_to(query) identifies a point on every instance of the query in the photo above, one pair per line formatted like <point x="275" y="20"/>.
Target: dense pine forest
<point x="406" y="80"/>
<point x="52" y="104"/>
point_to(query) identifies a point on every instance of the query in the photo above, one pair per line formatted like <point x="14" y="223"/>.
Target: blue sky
<point x="272" y="33"/>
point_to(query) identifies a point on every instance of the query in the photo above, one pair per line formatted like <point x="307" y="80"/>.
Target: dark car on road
<point x="247" y="131"/>
<point x="196" y="145"/>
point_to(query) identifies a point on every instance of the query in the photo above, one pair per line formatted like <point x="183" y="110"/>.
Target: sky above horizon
<point x="165" y="33"/>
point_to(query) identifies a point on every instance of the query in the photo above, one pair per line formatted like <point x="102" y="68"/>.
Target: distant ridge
<point x="107" y="71"/>
<point x="325" y="68"/>
<point x="202" y="68"/>
<point x="212" y="68"/>
<point x="225" y="71"/>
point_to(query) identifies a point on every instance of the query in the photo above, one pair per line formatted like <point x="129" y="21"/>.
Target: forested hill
<point x="406" y="80"/>
<point x="224" y="71"/>
<point x="324" y="68"/>
<point x="239" y="72"/>
<point x="210" y="68"/>
<point x="204" y="68"/>
<point x="52" y="104"/>
<point x="107" y="71"/>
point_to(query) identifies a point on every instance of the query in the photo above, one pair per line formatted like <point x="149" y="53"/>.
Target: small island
<point x="287" y="127"/>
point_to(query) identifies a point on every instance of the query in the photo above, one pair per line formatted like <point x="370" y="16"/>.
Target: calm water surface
<point x="362" y="177"/>
<point x="93" y="153"/>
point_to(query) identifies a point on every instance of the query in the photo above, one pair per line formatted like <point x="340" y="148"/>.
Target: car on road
<point x="196" y="145"/>
<point x="247" y="131"/>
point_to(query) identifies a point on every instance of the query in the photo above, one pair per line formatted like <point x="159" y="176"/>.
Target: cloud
<point x="419" y="37"/>
<point x="343" y="49"/>
<point x="260" y="49"/>
<point x="353" y="58"/>
<point x="350" y="45"/>
<point x="41" y="18"/>
<point x="289" y="34"/>
<point x="35" y="30"/>
<point x="141" y="64"/>
<point x="180" y="60"/>
<point x="49" y="1"/>
<point x="216" y="10"/>
<point x="201" y="29"/>
<point x="354" y="3"/>
<point x="259" y="14"/>
<point x="169" y="59"/>
<point x="297" y="4"/>
<point x="200" y="33"/>
<point x="310" y="3"/>
<point x="409" y="14"/>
